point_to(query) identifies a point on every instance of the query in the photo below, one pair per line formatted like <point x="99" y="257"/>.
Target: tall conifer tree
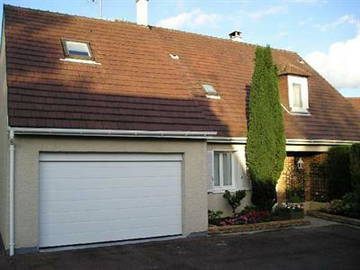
<point x="265" y="149"/>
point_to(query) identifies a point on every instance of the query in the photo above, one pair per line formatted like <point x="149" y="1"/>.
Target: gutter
<point x="114" y="133"/>
<point x="11" y="192"/>
<point x="318" y="142"/>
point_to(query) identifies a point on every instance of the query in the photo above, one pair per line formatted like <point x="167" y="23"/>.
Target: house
<point x="113" y="130"/>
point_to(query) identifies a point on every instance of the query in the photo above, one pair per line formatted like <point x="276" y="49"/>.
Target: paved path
<point x="315" y="247"/>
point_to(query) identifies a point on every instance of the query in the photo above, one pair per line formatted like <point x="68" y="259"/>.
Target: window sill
<point x="81" y="61"/>
<point x="300" y="112"/>
<point x="222" y="190"/>
<point x="213" y="96"/>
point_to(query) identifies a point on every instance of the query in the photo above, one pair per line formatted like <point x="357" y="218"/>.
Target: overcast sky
<point x="325" y="32"/>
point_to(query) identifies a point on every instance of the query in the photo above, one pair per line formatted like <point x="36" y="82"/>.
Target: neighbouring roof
<point x="355" y="102"/>
<point x="138" y="86"/>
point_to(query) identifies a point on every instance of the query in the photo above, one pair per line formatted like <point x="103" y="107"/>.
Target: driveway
<point x="329" y="247"/>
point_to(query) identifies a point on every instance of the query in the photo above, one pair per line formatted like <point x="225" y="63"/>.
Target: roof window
<point x="210" y="91"/>
<point x="77" y="49"/>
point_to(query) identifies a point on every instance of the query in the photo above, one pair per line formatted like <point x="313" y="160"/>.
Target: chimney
<point x="142" y="12"/>
<point x="235" y="36"/>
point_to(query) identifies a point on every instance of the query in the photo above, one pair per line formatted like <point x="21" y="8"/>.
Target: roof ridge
<point x="141" y="26"/>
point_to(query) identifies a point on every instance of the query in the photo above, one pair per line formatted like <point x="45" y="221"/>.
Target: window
<point x="223" y="170"/>
<point x="210" y="91"/>
<point x="298" y="94"/>
<point x="77" y="49"/>
<point x="297" y="103"/>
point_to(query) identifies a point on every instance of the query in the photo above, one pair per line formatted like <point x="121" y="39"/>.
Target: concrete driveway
<point x="328" y="247"/>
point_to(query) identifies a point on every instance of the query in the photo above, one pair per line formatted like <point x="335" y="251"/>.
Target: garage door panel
<point x="108" y="198"/>
<point x="107" y="236"/>
<point x="101" y="214"/>
<point x="105" y="169"/>
<point x="59" y="206"/>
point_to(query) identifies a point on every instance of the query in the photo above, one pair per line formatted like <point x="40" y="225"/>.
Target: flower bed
<point x="285" y="211"/>
<point x="257" y="226"/>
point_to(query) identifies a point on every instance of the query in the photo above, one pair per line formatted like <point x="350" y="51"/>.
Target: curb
<point x="335" y="218"/>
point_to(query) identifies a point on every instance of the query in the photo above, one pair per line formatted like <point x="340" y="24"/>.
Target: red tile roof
<point x="355" y="102"/>
<point x="139" y="86"/>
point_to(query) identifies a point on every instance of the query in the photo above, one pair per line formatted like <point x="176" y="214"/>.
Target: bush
<point x="265" y="148"/>
<point x="349" y="205"/>
<point x="263" y="195"/>
<point x="355" y="165"/>
<point x="338" y="171"/>
<point x="234" y="199"/>
<point x="214" y="217"/>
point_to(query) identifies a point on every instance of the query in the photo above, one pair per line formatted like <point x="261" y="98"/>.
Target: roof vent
<point x="142" y="12"/>
<point x="235" y="36"/>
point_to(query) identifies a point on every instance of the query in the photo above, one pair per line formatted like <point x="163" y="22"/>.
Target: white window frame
<point x="303" y="82"/>
<point x="68" y="55"/>
<point x="221" y="188"/>
<point x="212" y="93"/>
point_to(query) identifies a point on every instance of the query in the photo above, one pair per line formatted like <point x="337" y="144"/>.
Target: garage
<point x="92" y="198"/>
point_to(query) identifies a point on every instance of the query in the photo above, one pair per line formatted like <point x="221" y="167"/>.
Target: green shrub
<point x="214" y="217"/>
<point x="265" y="148"/>
<point x="338" y="172"/>
<point x="263" y="195"/>
<point x="355" y="165"/>
<point x="336" y="207"/>
<point x="351" y="203"/>
<point x="234" y="199"/>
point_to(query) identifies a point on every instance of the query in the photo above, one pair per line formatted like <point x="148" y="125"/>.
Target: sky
<point x="326" y="33"/>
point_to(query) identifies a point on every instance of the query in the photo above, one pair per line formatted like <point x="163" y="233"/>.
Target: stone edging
<point x="335" y="218"/>
<point x="257" y="226"/>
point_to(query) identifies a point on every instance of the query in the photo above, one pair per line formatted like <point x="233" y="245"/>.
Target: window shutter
<point x="210" y="170"/>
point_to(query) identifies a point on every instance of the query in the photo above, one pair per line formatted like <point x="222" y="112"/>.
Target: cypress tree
<point x="265" y="149"/>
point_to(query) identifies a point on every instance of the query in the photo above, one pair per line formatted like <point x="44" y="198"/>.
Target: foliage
<point x="234" y="199"/>
<point x="214" y="217"/>
<point x="288" y="211"/>
<point x="265" y="149"/>
<point x="296" y="194"/>
<point x="249" y="218"/>
<point x="319" y="182"/>
<point x="355" y="164"/>
<point x="338" y="171"/>
<point x="348" y="206"/>
<point x="336" y="207"/>
<point x="263" y="194"/>
<point x="247" y="209"/>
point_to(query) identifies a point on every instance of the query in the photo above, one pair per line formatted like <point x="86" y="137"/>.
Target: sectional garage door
<point x="89" y="198"/>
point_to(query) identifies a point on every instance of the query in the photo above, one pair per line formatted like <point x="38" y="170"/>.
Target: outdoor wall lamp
<point x="300" y="164"/>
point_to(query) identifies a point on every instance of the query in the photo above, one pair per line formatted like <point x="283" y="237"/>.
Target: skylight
<point x="209" y="89"/>
<point x="77" y="49"/>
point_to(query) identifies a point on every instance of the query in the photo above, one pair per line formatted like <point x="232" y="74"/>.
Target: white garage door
<point x="88" y="198"/>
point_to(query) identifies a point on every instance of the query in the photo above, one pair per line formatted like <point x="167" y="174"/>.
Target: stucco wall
<point x="216" y="200"/>
<point x="4" y="149"/>
<point x="27" y="178"/>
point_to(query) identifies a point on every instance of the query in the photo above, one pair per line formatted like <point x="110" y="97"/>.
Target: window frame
<point x="221" y="186"/>
<point x="212" y="94"/>
<point x="304" y="90"/>
<point x="67" y="53"/>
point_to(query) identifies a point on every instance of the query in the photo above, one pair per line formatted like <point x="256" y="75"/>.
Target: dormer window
<point x="298" y="94"/>
<point x="77" y="49"/>
<point x="210" y="91"/>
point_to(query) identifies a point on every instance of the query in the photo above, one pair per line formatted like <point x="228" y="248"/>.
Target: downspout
<point x="11" y="193"/>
